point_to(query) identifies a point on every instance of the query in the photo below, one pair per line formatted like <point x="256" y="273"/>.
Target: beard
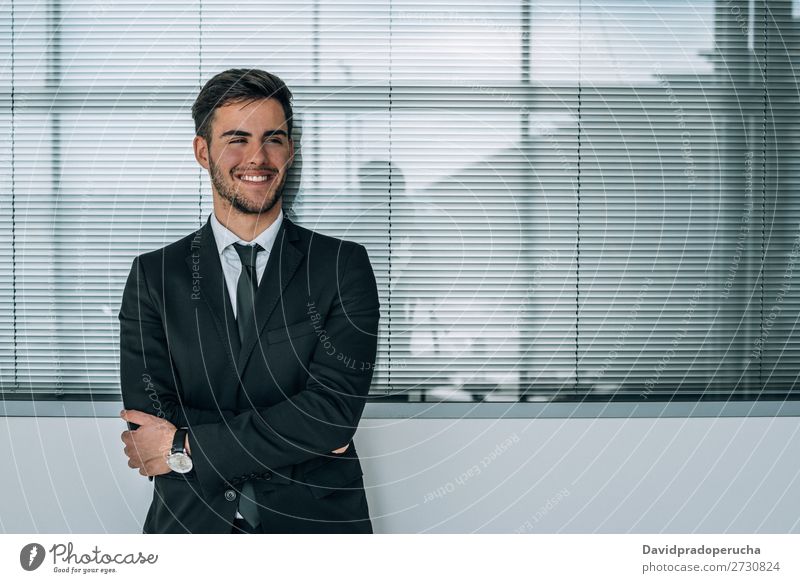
<point x="227" y="189"/>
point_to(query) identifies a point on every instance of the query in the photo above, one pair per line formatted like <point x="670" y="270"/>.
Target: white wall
<point x="735" y="475"/>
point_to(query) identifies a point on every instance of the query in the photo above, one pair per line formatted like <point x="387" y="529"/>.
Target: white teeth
<point x="254" y="178"/>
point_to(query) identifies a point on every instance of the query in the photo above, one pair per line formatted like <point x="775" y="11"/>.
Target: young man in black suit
<point x="247" y="347"/>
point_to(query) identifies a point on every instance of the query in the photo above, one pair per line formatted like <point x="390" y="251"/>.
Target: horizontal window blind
<point x="565" y="199"/>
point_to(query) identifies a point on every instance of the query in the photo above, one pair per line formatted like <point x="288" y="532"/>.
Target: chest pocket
<point x="290" y="331"/>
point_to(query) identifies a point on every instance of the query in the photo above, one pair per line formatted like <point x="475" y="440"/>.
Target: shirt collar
<point x="224" y="237"/>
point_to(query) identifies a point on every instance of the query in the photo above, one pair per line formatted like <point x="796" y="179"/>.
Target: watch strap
<point x="179" y="440"/>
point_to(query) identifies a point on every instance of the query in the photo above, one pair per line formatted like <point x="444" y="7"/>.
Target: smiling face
<point x="249" y="156"/>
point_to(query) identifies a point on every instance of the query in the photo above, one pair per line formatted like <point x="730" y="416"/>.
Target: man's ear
<point x="201" y="151"/>
<point x="291" y="154"/>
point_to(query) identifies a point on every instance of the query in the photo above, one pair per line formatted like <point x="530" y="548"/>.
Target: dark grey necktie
<point x="245" y="318"/>
<point x="246" y="288"/>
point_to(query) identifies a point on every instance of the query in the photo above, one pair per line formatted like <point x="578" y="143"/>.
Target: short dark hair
<point x="237" y="85"/>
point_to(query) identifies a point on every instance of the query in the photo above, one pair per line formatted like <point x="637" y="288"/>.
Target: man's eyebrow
<point x="246" y="134"/>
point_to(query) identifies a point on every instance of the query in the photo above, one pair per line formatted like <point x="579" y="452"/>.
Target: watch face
<point x="179" y="462"/>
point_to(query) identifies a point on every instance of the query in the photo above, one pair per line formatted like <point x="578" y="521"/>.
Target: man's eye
<point x="236" y="141"/>
<point x="275" y="141"/>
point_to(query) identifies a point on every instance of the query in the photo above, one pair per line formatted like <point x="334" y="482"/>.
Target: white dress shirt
<point x="231" y="264"/>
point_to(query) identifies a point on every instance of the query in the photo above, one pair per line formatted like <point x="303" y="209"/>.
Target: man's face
<point x="249" y="156"/>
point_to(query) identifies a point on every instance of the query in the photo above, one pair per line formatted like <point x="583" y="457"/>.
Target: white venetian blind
<point x="561" y="199"/>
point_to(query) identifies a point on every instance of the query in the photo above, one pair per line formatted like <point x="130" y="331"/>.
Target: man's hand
<point x="147" y="448"/>
<point x="341" y="449"/>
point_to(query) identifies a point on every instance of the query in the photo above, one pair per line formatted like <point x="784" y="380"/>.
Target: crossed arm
<point x="148" y="446"/>
<point x="224" y="444"/>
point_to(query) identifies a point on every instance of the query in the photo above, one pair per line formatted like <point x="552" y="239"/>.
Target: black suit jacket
<point x="269" y="410"/>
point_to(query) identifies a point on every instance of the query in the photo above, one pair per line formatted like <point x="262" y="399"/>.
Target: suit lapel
<point x="206" y="270"/>
<point x="204" y="260"/>
<point x="284" y="259"/>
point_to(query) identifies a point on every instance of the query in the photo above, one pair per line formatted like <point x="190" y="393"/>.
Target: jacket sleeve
<point x="321" y="417"/>
<point x="147" y="379"/>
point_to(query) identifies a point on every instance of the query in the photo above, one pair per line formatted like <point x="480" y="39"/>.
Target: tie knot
<point x="247" y="253"/>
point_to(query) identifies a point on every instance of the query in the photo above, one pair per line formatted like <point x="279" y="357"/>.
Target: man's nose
<point x="258" y="155"/>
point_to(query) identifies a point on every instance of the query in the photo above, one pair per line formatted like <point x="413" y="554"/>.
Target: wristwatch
<point x="178" y="459"/>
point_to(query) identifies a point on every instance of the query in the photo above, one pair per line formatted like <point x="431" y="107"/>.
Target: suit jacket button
<point x="268" y="476"/>
<point x="230" y="495"/>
